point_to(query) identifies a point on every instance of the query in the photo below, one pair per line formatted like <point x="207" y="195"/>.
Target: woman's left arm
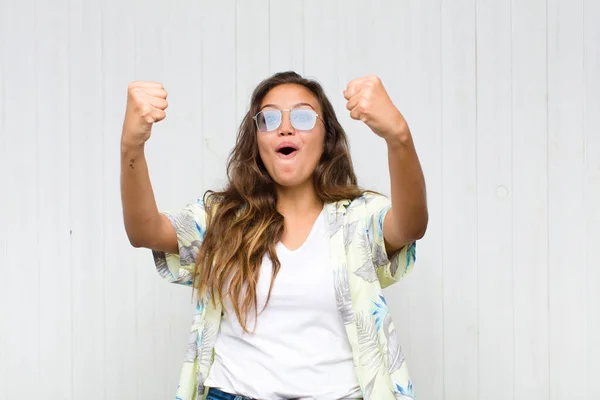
<point x="407" y="220"/>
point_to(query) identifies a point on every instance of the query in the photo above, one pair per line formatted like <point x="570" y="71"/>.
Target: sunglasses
<point x="302" y="119"/>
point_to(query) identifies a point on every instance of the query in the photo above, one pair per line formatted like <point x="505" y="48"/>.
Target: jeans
<point x="216" y="394"/>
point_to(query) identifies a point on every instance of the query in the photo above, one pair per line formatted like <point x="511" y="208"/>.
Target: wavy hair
<point x="243" y="223"/>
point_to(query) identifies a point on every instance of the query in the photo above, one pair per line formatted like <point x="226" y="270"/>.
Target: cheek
<point x="317" y="145"/>
<point x="262" y="149"/>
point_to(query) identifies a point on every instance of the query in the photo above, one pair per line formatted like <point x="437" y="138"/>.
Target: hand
<point x="146" y="104"/>
<point x="369" y="102"/>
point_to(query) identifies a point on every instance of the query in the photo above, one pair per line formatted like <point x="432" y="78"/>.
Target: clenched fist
<point x="146" y="104"/>
<point x="369" y="102"/>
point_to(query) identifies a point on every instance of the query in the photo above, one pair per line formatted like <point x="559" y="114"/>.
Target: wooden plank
<point x="530" y="200"/>
<point x="376" y="48"/>
<point x="53" y="168"/>
<point x="179" y="180"/>
<point x="4" y="300"/>
<point x="286" y="36"/>
<point x="566" y="207"/>
<point x="120" y="260"/>
<point x="494" y="199"/>
<point x="87" y="224"/>
<point x="252" y="59"/>
<point x="419" y="95"/>
<point x="460" y="205"/>
<point x="320" y="43"/>
<point x="150" y="62"/>
<point x="591" y="125"/>
<point x="22" y="261"/>
<point x="367" y="51"/>
<point x="219" y="125"/>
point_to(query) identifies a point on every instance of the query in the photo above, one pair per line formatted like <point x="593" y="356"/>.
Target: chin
<point x="289" y="181"/>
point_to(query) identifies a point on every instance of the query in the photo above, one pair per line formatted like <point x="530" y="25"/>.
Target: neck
<point x="298" y="200"/>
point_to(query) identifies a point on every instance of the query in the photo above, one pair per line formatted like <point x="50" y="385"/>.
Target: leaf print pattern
<point x="364" y="244"/>
<point x="380" y="311"/>
<point x="189" y="226"/>
<point x="395" y="353"/>
<point x="206" y="343"/>
<point x="394" y="266"/>
<point x="361" y="270"/>
<point x="380" y="257"/>
<point x="335" y="224"/>
<point x="162" y="267"/>
<point x="342" y="295"/>
<point x="192" y="347"/>
<point x="404" y="393"/>
<point x="349" y="233"/>
<point x="200" y="385"/>
<point x="369" y="389"/>
<point x="188" y="254"/>
<point x="367" y="271"/>
<point x="411" y="254"/>
<point x="370" y="354"/>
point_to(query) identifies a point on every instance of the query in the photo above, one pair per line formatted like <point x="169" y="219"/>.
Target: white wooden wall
<point x="503" y="98"/>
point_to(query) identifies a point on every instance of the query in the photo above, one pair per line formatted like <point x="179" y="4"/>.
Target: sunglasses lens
<point x="268" y="120"/>
<point x="303" y="120"/>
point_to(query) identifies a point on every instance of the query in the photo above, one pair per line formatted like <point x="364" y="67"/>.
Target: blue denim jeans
<point x="216" y="394"/>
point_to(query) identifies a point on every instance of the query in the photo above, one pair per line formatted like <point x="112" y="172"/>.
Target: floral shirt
<point x="361" y="270"/>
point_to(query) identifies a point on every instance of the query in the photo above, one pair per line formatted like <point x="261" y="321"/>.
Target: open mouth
<point x="286" y="151"/>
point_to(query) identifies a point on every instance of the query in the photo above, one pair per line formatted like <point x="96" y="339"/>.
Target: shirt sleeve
<point x="190" y="226"/>
<point x="389" y="269"/>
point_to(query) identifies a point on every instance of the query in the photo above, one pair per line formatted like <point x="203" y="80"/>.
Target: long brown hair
<point x="242" y="220"/>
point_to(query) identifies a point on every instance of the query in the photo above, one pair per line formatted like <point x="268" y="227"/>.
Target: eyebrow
<point x="294" y="106"/>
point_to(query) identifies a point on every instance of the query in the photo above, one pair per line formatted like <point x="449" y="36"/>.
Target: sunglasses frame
<point x="255" y="118"/>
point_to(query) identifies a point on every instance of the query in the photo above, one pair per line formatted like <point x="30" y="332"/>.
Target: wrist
<point x="132" y="146"/>
<point x="400" y="137"/>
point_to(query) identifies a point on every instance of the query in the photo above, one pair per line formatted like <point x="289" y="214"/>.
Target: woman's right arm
<point x="144" y="224"/>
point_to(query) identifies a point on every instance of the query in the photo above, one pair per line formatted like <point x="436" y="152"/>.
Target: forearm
<point x="140" y="213"/>
<point x="408" y="193"/>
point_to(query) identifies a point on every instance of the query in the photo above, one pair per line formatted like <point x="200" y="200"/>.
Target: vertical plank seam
<point x="103" y="199"/>
<point x="585" y="194"/>
<point x="512" y="193"/>
<point x="36" y="79"/>
<point x="3" y="244"/>
<point x="477" y="187"/>
<point x="72" y="302"/>
<point x="269" y="34"/>
<point x="302" y="36"/>
<point x="548" y="211"/>
<point x="137" y="271"/>
<point x="441" y="172"/>
<point x="202" y="124"/>
<point x="235" y="61"/>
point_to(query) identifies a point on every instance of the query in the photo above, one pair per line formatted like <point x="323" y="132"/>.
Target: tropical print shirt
<point x="361" y="270"/>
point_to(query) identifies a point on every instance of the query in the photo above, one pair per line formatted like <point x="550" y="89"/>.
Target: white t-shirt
<point x="299" y="348"/>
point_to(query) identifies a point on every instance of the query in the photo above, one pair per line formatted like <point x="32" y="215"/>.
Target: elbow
<point x="422" y="228"/>
<point x="419" y="227"/>
<point x="135" y="242"/>
<point x="135" y="239"/>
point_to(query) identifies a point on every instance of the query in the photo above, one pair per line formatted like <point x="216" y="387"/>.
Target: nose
<point x="286" y="127"/>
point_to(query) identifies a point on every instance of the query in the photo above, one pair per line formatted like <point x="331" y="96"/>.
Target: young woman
<point x="288" y="262"/>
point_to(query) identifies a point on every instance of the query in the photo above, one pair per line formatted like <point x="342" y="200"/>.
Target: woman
<point x="288" y="261"/>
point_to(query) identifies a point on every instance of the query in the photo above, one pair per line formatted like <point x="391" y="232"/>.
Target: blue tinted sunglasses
<point x="302" y="119"/>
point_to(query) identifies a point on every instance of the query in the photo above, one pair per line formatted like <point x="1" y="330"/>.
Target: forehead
<point x="288" y="95"/>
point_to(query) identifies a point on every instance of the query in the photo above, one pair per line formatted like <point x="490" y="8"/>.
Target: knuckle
<point x="144" y="110"/>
